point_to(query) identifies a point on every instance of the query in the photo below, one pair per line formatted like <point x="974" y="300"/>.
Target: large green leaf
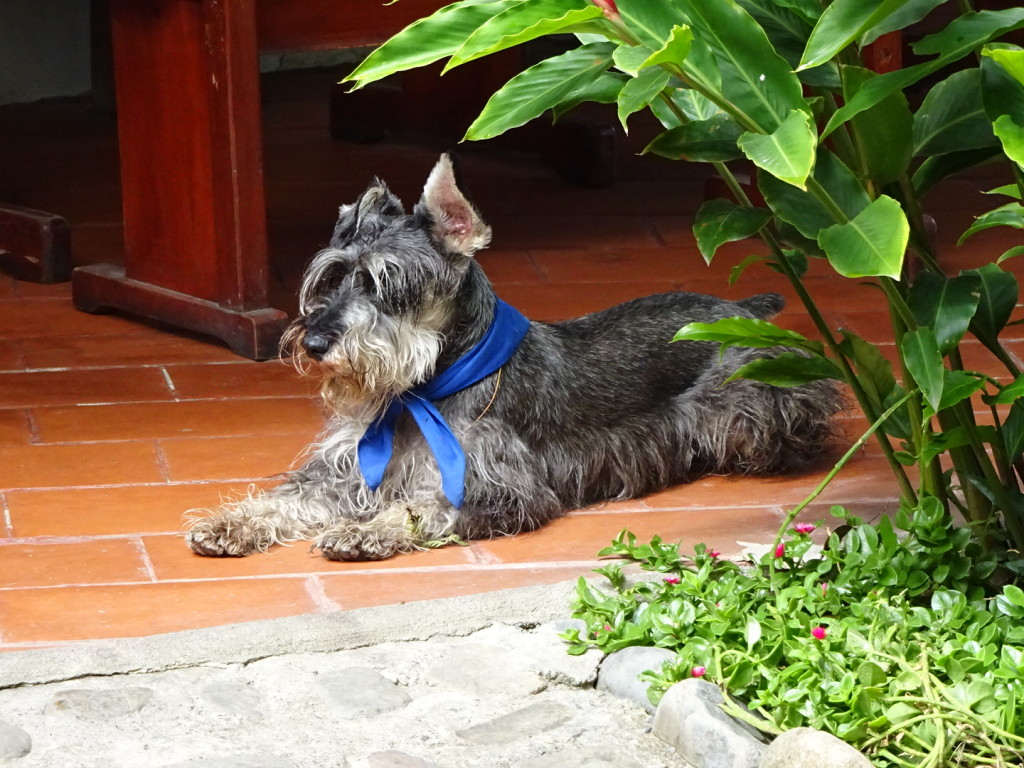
<point x="1010" y="58"/>
<point x="788" y="369"/>
<point x="1010" y="215"/>
<point x="691" y="103"/>
<point x="1003" y="96"/>
<point x="871" y="244"/>
<point x="538" y="89"/>
<point x="1011" y="135"/>
<point x="722" y="221"/>
<point x="841" y="23"/>
<point x="802" y="210"/>
<point x="1008" y="394"/>
<point x="745" y="332"/>
<point x="998" y="296"/>
<point x="605" y="89"/>
<point x="958" y="386"/>
<point x="520" y="23"/>
<point x="924" y="362"/>
<point x="946" y="305"/>
<point x="952" y="117"/>
<point x="639" y="92"/>
<point x="961" y="38"/>
<point x="706" y="141"/>
<point x="1013" y="431"/>
<point x="787" y="153"/>
<point x="874" y="372"/>
<point x="675" y="50"/>
<point x="651" y="20"/>
<point x="429" y="39"/>
<point x="630" y="58"/>
<point x="758" y="82"/>
<point x="884" y="133"/>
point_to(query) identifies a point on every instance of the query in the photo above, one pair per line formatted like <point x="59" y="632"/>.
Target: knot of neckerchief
<point x="507" y="330"/>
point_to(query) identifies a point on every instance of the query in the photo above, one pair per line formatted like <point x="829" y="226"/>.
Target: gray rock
<point x="691" y="719"/>
<point x="14" y="741"/>
<point x="236" y="697"/>
<point x="238" y="761"/>
<point x="394" y="759"/>
<point x="486" y="669"/>
<point x="620" y="672"/>
<point x="586" y="757"/>
<point x="101" y="704"/>
<point x="362" y="692"/>
<point x="810" y="748"/>
<point x="520" y="724"/>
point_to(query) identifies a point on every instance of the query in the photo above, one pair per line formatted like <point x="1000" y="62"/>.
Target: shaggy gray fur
<point x="600" y="407"/>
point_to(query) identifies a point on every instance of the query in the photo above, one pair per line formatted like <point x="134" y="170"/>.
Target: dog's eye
<point x="367" y="284"/>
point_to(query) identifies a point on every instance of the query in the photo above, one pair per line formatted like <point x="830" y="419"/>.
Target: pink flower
<point x="819" y="633"/>
<point x="607" y="627"/>
<point x="714" y="554"/>
<point x="611" y="11"/>
<point x="780" y="550"/>
<point x="698" y="671"/>
<point x="671" y="579"/>
<point x="804" y="527"/>
<point x="824" y="588"/>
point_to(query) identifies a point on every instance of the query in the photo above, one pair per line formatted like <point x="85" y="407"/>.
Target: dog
<point x="543" y="418"/>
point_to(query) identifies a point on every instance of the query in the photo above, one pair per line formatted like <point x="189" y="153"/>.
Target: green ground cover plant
<point x="902" y="640"/>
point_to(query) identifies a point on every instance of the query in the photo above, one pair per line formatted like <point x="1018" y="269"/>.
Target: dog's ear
<point x="456" y="222"/>
<point x="344" y="227"/>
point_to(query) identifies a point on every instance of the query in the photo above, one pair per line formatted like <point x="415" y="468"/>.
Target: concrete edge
<point x="314" y="633"/>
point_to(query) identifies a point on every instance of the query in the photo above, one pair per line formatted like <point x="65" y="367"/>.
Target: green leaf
<point x="640" y="91"/>
<point x="958" y="386"/>
<point x="921" y="353"/>
<point x="1009" y="393"/>
<point x="801" y="209"/>
<point x="841" y="23"/>
<point x="1013" y="431"/>
<point x="605" y="89"/>
<point x="961" y="38"/>
<point x="675" y="50"/>
<point x="1011" y="135"/>
<point x="754" y="78"/>
<point x="630" y="58"/>
<point x="884" y="133"/>
<point x="946" y="305"/>
<point x="650" y="20"/>
<point x="1010" y="215"/>
<point x="739" y="269"/>
<point x="1008" y="190"/>
<point x="910" y="12"/>
<point x="722" y="221"/>
<point x="873" y="371"/>
<point x="935" y="169"/>
<point x="1017" y="250"/>
<point x="952" y="117"/>
<point x="707" y="141"/>
<point x="998" y="295"/>
<point x="787" y="153"/>
<point x="520" y="23"/>
<point x="538" y="89"/>
<point x="788" y="369"/>
<point x="745" y="332"/>
<point x="427" y="40"/>
<point x="871" y="244"/>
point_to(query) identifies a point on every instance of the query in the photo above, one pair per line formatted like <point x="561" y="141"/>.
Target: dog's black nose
<point x="316" y="345"/>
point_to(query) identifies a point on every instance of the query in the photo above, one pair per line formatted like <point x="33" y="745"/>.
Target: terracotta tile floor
<point x="110" y="428"/>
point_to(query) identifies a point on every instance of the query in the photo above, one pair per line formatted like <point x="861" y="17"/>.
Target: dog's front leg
<point x="399" y="526"/>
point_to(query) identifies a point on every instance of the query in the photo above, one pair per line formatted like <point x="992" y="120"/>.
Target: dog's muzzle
<point x="316" y="345"/>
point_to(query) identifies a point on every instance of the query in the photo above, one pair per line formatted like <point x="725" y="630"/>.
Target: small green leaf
<point x="872" y="244"/>
<point x="1017" y="250"/>
<point x="788" y="369"/>
<point x="739" y="269"/>
<point x="921" y="353"/>
<point x="1009" y="215"/>
<point x="1011" y="135"/>
<point x="427" y="40"/>
<point x="744" y="332"/>
<point x="883" y="133"/>
<point x="640" y="91"/>
<point x="675" y="50"/>
<point x="538" y="89"/>
<point x="958" y="386"/>
<point x="1009" y="190"/>
<point x="709" y="141"/>
<point x="998" y="296"/>
<point x="722" y="221"/>
<point x="787" y="153"/>
<point x="1009" y="393"/>
<point x="522" y="22"/>
<point x="935" y="169"/>
<point x="630" y="58"/>
<point x="952" y="117"/>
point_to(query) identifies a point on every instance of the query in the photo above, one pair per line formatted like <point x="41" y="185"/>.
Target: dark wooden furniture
<point x="187" y="84"/>
<point x="34" y="245"/>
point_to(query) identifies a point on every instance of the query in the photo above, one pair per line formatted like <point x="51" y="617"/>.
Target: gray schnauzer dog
<point x="453" y="417"/>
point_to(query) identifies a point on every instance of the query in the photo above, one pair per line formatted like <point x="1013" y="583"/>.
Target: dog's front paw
<point x="362" y="541"/>
<point x="228" y="536"/>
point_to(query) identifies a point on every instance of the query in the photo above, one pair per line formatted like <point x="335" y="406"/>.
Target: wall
<point x="44" y="49"/>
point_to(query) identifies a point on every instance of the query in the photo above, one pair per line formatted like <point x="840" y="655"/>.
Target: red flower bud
<point x="819" y="633"/>
<point x="698" y="671"/>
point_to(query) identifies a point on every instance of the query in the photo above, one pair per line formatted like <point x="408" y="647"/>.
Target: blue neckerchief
<point x="507" y="330"/>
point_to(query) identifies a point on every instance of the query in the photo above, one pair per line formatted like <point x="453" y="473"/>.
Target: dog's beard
<point x="363" y="370"/>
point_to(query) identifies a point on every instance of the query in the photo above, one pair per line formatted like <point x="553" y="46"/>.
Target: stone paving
<point x="477" y="682"/>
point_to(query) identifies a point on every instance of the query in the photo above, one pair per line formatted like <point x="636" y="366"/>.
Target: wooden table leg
<point x="187" y="84"/>
<point x="34" y="245"/>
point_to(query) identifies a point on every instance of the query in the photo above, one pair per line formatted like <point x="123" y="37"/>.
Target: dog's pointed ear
<point x="344" y="227"/>
<point x="456" y="222"/>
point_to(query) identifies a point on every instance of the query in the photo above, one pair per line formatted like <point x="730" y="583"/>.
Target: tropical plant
<point x="842" y="161"/>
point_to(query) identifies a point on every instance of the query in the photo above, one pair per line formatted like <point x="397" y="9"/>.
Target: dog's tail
<point x="764" y="306"/>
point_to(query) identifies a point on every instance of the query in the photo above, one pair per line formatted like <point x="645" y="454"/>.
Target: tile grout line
<point x="170" y="383"/>
<point x="161" y="460"/>
<point x="147" y="561"/>
<point x="33" y="427"/>
<point x="315" y="589"/>
<point x="8" y="523"/>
